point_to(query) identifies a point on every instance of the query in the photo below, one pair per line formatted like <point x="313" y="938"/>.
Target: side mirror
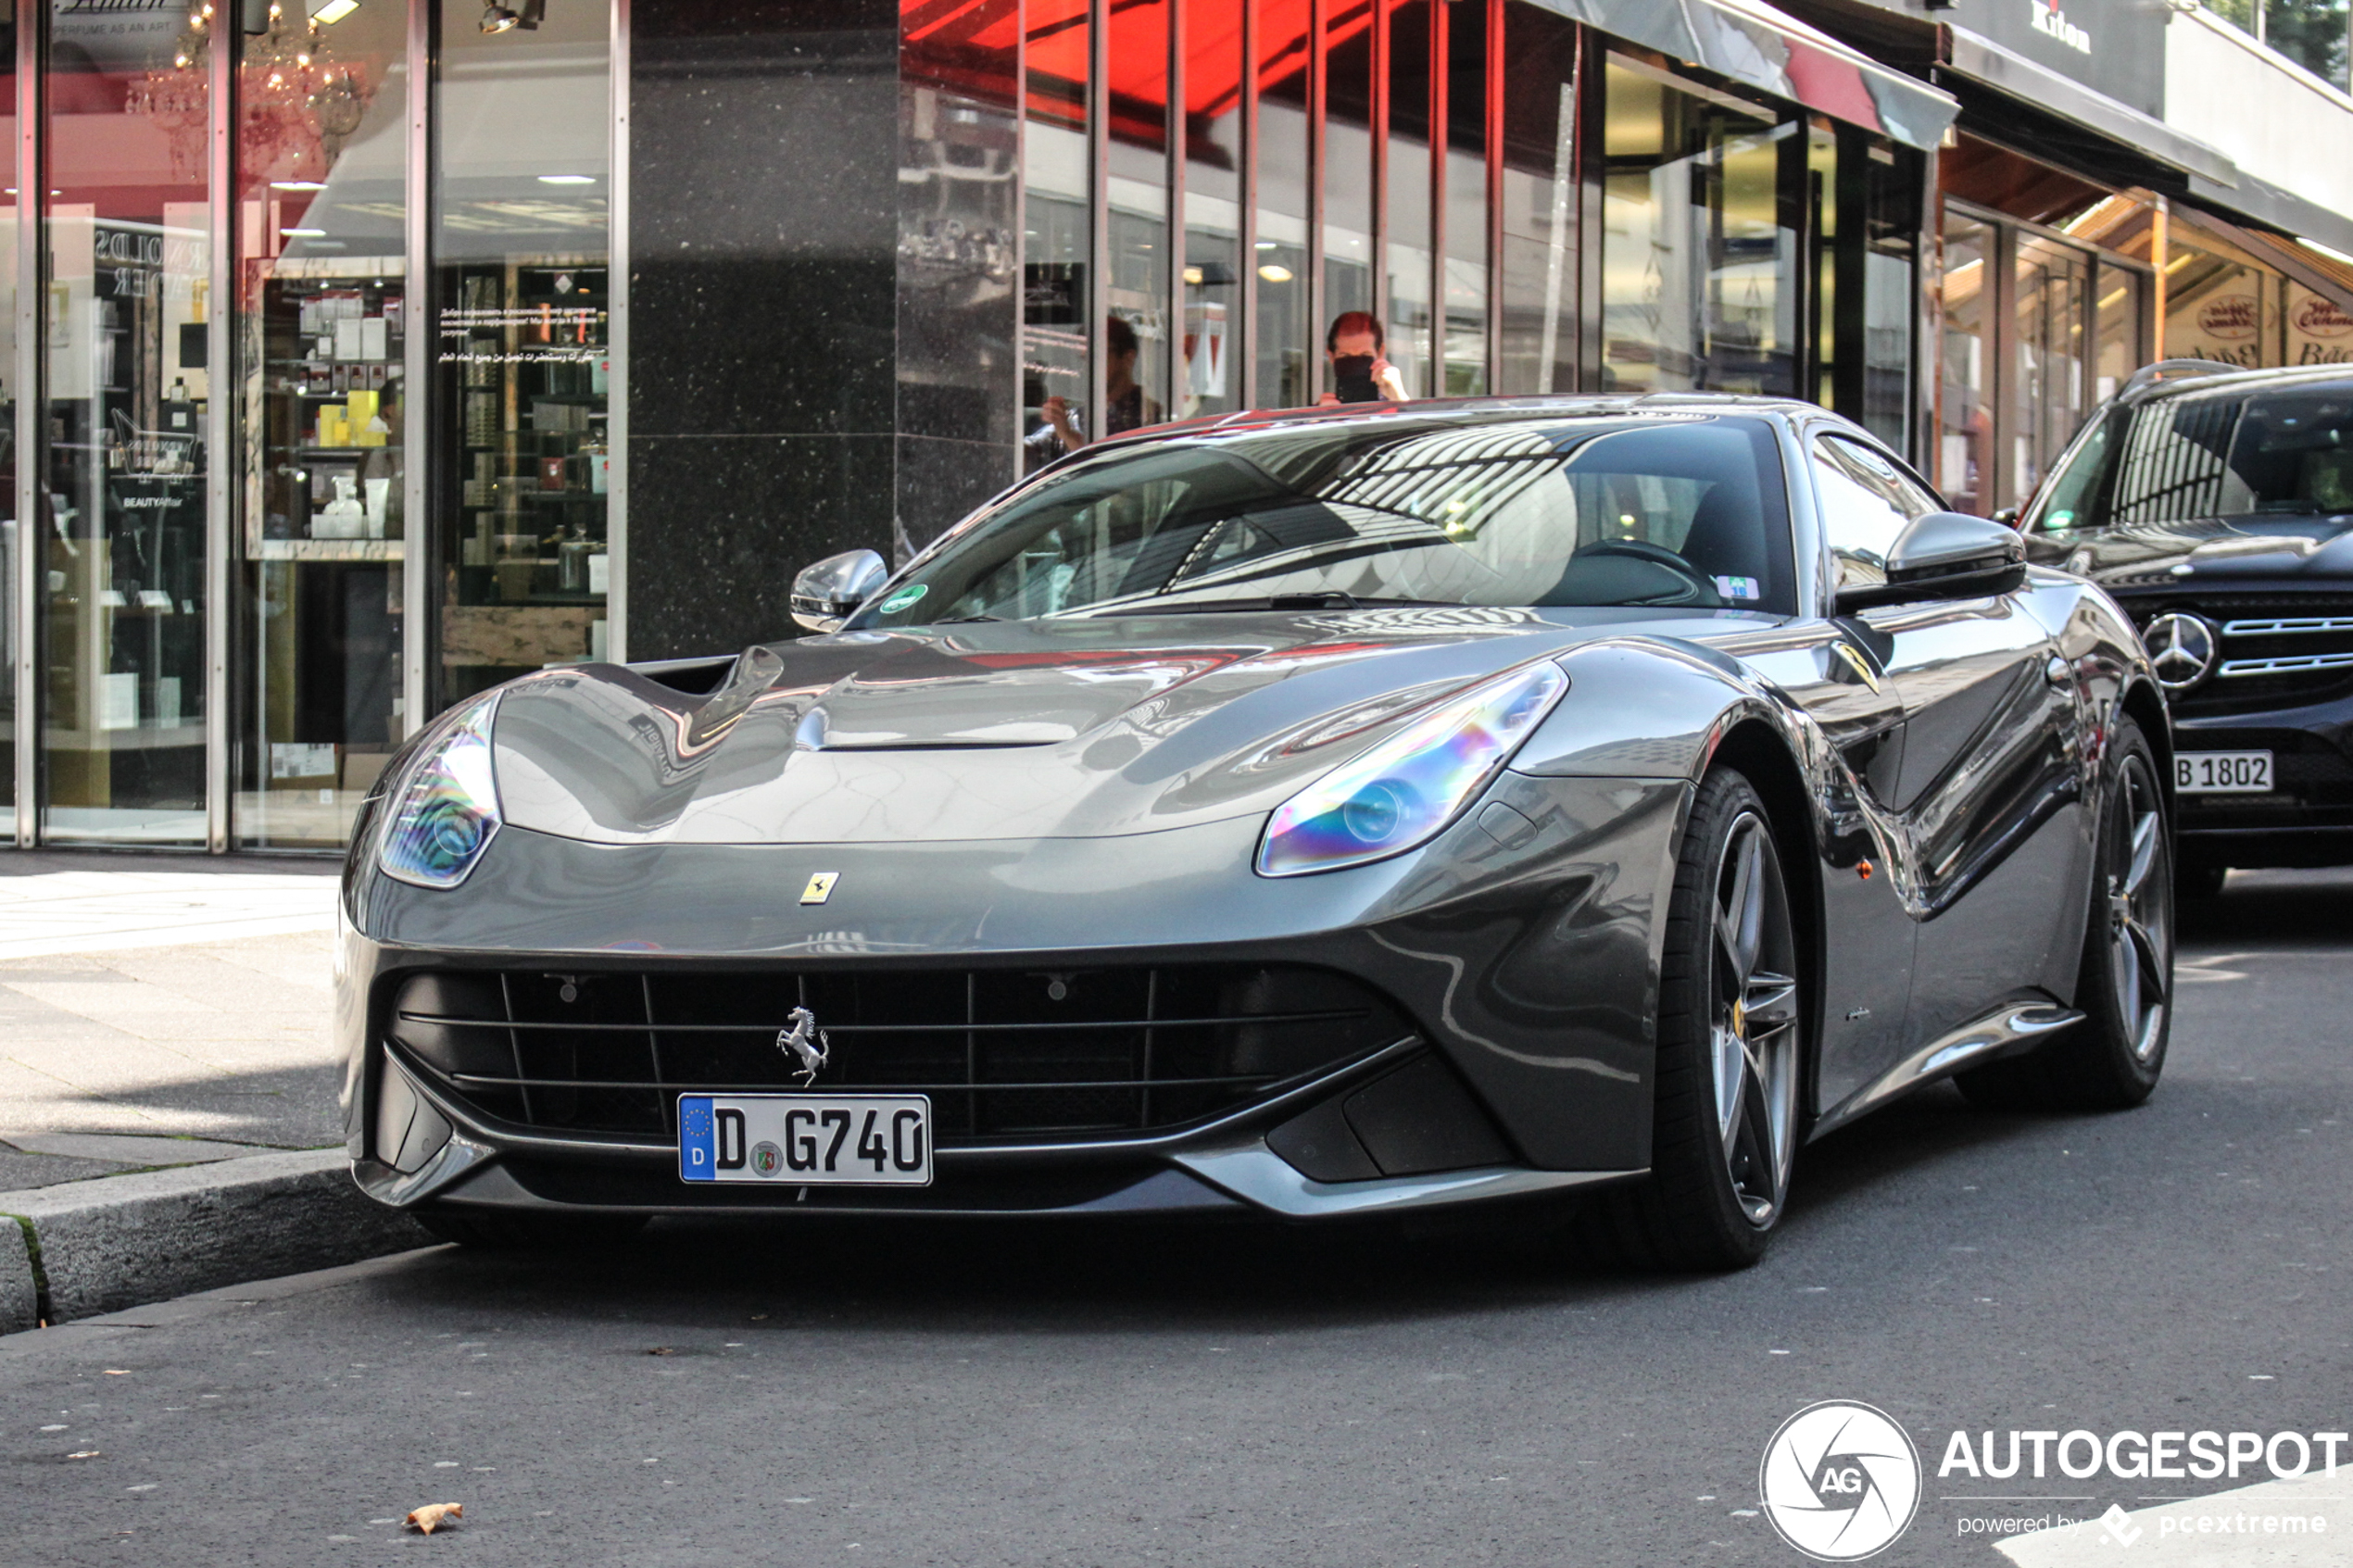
<point x="825" y="594"/>
<point x="1943" y="556"/>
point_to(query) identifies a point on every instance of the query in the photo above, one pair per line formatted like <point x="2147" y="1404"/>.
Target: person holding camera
<point x="1361" y="371"/>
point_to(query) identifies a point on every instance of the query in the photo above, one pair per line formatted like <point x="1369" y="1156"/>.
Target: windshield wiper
<point x="1279" y="603"/>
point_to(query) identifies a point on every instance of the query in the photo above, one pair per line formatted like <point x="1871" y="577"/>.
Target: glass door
<point x="120" y="574"/>
<point x="521" y="284"/>
<point x="322" y="316"/>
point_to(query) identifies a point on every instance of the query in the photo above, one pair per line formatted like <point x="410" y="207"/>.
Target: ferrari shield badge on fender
<point x="820" y="886"/>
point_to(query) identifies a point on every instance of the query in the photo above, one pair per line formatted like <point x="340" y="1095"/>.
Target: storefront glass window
<point x="1348" y="163"/>
<point x="1213" y="140"/>
<point x="2116" y="315"/>
<point x="11" y="538"/>
<point x="1540" y="198"/>
<point x="1891" y="242"/>
<point x="1465" y="346"/>
<point x="121" y="580"/>
<point x="1408" y="192"/>
<point x="1057" y="199"/>
<point x="321" y="300"/>
<point x="2218" y="308"/>
<point x="1285" y="378"/>
<point x="2047" y="373"/>
<point x="521" y="288"/>
<point x="1697" y="271"/>
<point x="1135" y="388"/>
<point x="1965" y="394"/>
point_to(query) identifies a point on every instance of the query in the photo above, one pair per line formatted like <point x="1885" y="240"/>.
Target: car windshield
<point x="1673" y="511"/>
<point x="2225" y="453"/>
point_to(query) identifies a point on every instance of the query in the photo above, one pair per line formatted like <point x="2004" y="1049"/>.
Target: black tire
<point x="2112" y="1060"/>
<point x="531" y="1233"/>
<point x="1730" y="1062"/>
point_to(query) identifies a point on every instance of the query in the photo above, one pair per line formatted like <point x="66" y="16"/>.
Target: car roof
<point x="2177" y="377"/>
<point x="1587" y="403"/>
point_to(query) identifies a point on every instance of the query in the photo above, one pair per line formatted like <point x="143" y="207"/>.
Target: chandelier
<point x="297" y="104"/>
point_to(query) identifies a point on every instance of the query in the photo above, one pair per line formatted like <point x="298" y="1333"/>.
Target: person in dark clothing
<point x="1358" y="350"/>
<point x="1126" y="406"/>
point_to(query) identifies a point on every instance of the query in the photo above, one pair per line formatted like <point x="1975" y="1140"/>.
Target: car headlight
<point x="444" y="812"/>
<point x="1404" y="790"/>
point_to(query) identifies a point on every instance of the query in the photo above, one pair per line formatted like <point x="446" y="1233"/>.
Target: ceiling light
<point x="297" y="184"/>
<point x="567" y="178"/>
<point x="1266" y="244"/>
<point x="304" y="234"/>
<point x="332" y="11"/>
<point x="1194" y="275"/>
<point x="498" y="19"/>
<point x="502" y="19"/>
<point x="1274" y="274"/>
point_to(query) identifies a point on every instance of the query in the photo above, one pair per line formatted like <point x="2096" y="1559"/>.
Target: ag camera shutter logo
<point x="1840" y="1481"/>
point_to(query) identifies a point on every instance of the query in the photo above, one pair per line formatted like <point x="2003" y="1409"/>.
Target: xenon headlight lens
<point x="444" y="811"/>
<point x="1404" y="790"/>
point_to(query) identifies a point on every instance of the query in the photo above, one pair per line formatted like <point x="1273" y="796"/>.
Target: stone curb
<point x="79" y="1249"/>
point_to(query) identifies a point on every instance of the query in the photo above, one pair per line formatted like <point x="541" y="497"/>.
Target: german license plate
<point x="806" y="1140"/>
<point x="2222" y="773"/>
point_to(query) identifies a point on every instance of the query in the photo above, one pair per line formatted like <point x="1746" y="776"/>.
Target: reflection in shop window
<point x="323" y="316"/>
<point x="1278" y="261"/>
<point x="128" y="443"/>
<point x="1213" y="284"/>
<point x="1539" y="195"/>
<point x="522" y="296"/>
<point x="1697" y="273"/>
<point x="1057" y="185"/>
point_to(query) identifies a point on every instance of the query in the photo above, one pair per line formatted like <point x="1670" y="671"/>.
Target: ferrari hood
<point x="1066" y="728"/>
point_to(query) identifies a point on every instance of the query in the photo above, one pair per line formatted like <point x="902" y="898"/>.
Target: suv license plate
<point x="806" y="1140"/>
<point x="2222" y="773"/>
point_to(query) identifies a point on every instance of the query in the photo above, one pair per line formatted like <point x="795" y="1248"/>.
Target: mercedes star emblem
<point x="2182" y="649"/>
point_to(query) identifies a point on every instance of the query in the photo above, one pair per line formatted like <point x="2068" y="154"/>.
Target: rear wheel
<point x="1725" y="1106"/>
<point x="531" y="1233"/>
<point x="2110" y="1060"/>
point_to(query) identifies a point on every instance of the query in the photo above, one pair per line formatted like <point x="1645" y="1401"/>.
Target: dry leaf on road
<point x="435" y="1516"/>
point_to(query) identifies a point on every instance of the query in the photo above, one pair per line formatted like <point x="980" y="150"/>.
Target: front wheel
<point x="1725" y="1104"/>
<point x="2110" y="1060"/>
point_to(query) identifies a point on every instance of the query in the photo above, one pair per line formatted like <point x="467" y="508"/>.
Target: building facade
<point x="362" y="354"/>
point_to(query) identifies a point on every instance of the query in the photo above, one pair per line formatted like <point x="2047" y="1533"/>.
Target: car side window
<point x="1866" y="502"/>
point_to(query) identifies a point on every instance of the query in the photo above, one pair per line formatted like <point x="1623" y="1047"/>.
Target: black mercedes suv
<point x="2216" y="506"/>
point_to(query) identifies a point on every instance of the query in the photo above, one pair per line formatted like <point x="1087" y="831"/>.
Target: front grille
<point x="1004" y="1053"/>
<point x="2278" y="651"/>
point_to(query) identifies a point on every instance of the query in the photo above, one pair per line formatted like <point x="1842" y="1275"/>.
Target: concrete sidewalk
<point x="159" y="1013"/>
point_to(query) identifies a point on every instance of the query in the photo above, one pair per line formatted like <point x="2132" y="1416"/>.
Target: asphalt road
<point x="1046" y="1395"/>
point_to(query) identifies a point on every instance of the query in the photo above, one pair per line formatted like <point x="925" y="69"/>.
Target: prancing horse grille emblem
<point x="805" y="1040"/>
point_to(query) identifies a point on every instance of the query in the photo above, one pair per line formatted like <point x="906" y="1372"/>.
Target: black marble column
<point x="763" y="308"/>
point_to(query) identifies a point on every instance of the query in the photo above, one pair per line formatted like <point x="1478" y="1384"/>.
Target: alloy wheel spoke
<point x="1769" y="1000"/>
<point x="2145" y="957"/>
<point x="1741" y="913"/>
<point x="2143" y="853"/>
<point x="1731" y="1080"/>
<point x="1756" y="1131"/>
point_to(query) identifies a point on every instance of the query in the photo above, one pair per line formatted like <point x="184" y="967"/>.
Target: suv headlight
<point x="1404" y="790"/>
<point x="444" y="812"/>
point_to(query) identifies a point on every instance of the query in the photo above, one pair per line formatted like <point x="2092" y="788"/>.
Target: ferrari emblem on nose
<point x="820" y="886"/>
<point x="805" y="1040"/>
